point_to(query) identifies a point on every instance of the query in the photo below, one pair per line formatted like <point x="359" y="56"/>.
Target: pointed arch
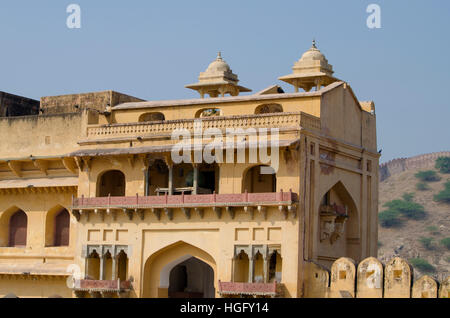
<point x="160" y="263"/>
<point x="18" y="227"/>
<point x="339" y="236"/>
<point x="256" y="180"/>
<point x="5" y="218"/>
<point x="57" y="226"/>
<point x="111" y="182"/>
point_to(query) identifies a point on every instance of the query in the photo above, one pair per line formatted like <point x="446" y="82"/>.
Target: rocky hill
<point x="405" y="240"/>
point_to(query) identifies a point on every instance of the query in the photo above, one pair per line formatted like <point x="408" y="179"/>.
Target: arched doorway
<point x="179" y="270"/>
<point x="112" y="183"/>
<point x="259" y="179"/>
<point x="191" y="278"/>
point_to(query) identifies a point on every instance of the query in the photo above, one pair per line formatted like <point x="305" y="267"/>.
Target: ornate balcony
<point x="249" y="289"/>
<point x="332" y="221"/>
<point x="285" y="201"/>
<point x="292" y="120"/>
<point x="101" y="288"/>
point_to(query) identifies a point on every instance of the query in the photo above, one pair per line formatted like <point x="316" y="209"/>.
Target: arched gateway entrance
<point x="180" y="270"/>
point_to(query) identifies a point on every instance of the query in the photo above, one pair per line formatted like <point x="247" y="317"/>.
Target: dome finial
<point x="219" y="55"/>
<point x="314" y="44"/>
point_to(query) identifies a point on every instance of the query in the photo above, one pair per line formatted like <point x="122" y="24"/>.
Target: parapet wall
<point x="371" y="279"/>
<point x="395" y="166"/>
<point x="75" y="102"/>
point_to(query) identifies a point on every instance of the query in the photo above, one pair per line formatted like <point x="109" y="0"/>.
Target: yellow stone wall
<point x="335" y="157"/>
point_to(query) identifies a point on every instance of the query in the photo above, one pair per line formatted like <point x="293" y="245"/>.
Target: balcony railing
<point x="285" y="201"/>
<point x="293" y="120"/>
<point x="183" y="200"/>
<point x="255" y="289"/>
<point x="101" y="285"/>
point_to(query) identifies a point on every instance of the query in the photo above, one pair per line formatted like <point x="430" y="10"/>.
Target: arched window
<point x="269" y="108"/>
<point x="260" y="179"/>
<point x="275" y="264"/>
<point x="18" y="229"/>
<point x="208" y="112"/>
<point x="122" y="266"/>
<point x="111" y="183"/>
<point x="93" y="266"/>
<point x="151" y="117"/>
<point x="62" y="228"/>
<point x="241" y="266"/>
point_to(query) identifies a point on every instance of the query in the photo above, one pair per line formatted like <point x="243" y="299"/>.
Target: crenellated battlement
<point x="398" y="165"/>
<point x="371" y="279"/>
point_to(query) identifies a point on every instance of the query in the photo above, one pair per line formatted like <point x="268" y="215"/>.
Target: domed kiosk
<point x="218" y="80"/>
<point x="311" y="70"/>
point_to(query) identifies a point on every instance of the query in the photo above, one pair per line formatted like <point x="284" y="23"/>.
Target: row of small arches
<point x="211" y="112"/>
<point x="14" y="227"/>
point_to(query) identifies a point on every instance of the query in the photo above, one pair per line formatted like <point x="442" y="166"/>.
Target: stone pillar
<point x="102" y="267"/>
<point x="146" y="185"/>
<point x="266" y="269"/>
<point x="195" y="179"/>
<point x="251" y="269"/>
<point x="86" y="267"/>
<point x="114" y="272"/>
<point x="170" y="179"/>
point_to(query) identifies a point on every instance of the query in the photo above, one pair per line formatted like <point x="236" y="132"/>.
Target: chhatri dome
<point x="311" y="70"/>
<point x="218" y="80"/>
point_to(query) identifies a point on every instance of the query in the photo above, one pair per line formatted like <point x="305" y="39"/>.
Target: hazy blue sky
<point x="151" y="49"/>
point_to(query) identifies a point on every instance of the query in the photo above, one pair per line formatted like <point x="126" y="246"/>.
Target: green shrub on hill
<point x="422" y="186"/>
<point x="443" y="164"/>
<point x="422" y="265"/>
<point x="446" y="242"/>
<point x="427" y="176"/>
<point x="433" y="229"/>
<point x="409" y="209"/>
<point x="444" y="195"/>
<point x="408" y="196"/>
<point x="427" y="242"/>
<point x="390" y="218"/>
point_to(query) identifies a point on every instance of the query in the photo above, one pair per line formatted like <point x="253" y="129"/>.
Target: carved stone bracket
<point x="283" y="210"/>
<point x="230" y="211"/>
<point x="249" y="210"/>
<point x="101" y="213"/>
<point x="85" y="212"/>
<point x="200" y="212"/>
<point x="187" y="212"/>
<point x="169" y="213"/>
<point x="262" y="209"/>
<point x="140" y="213"/>
<point x="76" y="214"/>
<point x="157" y="213"/>
<point x="129" y="213"/>
<point x="292" y="209"/>
<point x="218" y="211"/>
<point x="112" y="213"/>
